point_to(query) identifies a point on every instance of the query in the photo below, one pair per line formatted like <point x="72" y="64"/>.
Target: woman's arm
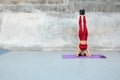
<point x="78" y="51"/>
<point x="88" y="51"/>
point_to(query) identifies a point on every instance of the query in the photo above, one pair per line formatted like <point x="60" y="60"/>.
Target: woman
<point x="83" y="35"/>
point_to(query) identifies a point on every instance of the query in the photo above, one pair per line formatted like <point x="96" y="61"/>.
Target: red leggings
<point x="83" y="33"/>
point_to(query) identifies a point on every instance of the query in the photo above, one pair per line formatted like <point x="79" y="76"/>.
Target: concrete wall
<point x="60" y="5"/>
<point x="45" y="25"/>
<point x="34" y="1"/>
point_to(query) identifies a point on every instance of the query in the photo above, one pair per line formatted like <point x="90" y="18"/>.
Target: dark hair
<point x="81" y="55"/>
<point x="82" y="12"/>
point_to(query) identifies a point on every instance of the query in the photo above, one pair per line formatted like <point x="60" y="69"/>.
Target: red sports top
<point x="83" y="47"/>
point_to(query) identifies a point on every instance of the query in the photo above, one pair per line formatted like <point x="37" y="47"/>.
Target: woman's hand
<point x="77" y="54"/>
<point x="89" y="55"/>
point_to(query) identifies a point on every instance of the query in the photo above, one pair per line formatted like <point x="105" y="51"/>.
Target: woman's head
<point x="82" y="53"/>
<point x="82" y="12"/>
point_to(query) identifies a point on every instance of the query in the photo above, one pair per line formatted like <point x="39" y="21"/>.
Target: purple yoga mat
<point x="94" y="56"/>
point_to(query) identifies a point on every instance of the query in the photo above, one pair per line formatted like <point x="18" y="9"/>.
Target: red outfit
<point x="83" y="47"/>
<point x="83" y="33"/>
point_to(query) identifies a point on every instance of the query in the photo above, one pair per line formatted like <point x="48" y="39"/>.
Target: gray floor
<point x="36" y="65"/>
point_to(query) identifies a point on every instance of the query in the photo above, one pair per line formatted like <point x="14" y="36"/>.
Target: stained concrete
<point x="37" y="25"/>
<point x="36" y="65"/>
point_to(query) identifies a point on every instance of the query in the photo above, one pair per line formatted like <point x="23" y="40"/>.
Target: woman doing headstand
<point x="83" y="35"/>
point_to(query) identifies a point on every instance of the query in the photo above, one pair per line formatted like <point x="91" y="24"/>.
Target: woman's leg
<point x="80" y="34"/>
<point x="85" y="32"/>
<point x="80" y="27"/>
<point x="86" y="35"/>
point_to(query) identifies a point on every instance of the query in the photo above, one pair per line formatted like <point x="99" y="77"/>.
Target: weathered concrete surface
<point x="34" y="1"/>
<point x="58" y="30"/>
<point x="36" y="65"/>
<point x="60" y="5"/>
<point x="45" y="25"/>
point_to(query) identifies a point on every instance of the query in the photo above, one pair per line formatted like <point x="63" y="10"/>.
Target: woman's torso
<point x="83" y="42"/>
<point x="83" y="45"/>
